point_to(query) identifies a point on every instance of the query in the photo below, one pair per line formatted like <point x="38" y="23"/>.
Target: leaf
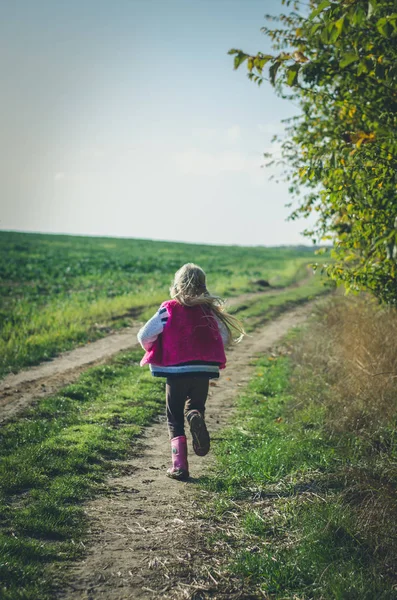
<point x="384" y="239"/>
<point x="292" y="74"/>
<point x="333" y="35"/>
<point x="347" y="59"/>
<point x="302" y="172"/>
<point x="326" y="34"/>
<point x="319" y="9"/>
<point x="239" y="59"/>
<point x="359" y="142"/>
<point x="384" y="27"/>
<point x="362" y="68"/>
<point x="371" y="8"/>
<point x="273" y="71"/>
<point x="261" y="60"/>
<point x="359" y="16"/>
<point x="315" y="28"/>
<point x="265" y="57"/>
<point x="339" y="25"/>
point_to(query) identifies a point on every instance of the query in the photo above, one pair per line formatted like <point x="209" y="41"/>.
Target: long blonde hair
<point x="189" y="288"/>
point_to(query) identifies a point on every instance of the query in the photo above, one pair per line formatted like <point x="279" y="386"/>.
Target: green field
<point x="59" y="291"/>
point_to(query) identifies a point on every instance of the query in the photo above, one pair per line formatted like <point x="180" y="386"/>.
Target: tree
<point x="340" y="63"/>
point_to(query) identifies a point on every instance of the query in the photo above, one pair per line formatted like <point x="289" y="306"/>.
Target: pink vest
<point x="191" y="333"/>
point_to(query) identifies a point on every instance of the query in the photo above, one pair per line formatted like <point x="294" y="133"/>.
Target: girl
<point x="184" y="342"/>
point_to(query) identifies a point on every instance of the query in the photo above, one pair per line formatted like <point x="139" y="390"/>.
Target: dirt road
<point x="140" y="530"/>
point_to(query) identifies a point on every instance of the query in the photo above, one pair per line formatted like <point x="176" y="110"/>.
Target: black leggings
<point x="184" y="394"/>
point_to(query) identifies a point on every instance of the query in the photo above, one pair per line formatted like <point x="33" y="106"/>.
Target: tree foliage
<point x="339" y="61"/>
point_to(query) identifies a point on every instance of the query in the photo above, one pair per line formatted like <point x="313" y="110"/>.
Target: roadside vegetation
<point x="61" y="291"/>
<point x="302" y="501"/>
<point x="337" y="62"/>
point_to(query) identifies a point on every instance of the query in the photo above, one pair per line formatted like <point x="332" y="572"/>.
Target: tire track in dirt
<point x="138" y="532"/>
<point x="22" y="389"/>
<point x="19" y="390"/>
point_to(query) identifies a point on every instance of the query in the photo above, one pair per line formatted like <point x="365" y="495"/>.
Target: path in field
<point x="19" y="390"/>
<point x="141" y="529"/>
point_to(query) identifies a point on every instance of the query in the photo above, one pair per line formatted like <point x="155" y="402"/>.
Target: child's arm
<point x="149" y="333"/>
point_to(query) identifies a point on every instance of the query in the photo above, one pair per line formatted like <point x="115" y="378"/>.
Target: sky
<point x="125" y="118"/>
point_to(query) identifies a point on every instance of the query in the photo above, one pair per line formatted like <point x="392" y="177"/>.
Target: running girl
<point x="184" y="342"/>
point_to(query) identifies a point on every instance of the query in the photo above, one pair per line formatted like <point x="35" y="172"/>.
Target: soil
<point x="24" y="388"/>
<point x="144" y="533"/>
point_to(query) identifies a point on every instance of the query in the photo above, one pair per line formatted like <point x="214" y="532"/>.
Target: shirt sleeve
<point x="149" y="333"/>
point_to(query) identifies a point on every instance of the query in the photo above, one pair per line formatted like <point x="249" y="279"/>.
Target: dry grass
<point x="348" y="365"/>
<point x="373" y="502"/>
<point x="353" y="351"/>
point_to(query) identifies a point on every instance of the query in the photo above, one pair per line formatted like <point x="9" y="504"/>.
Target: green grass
<point x="55" y="457"/>
<point x="61" y="291"/>
<point x="296" y="529"/>
<point x="257" y="311"/>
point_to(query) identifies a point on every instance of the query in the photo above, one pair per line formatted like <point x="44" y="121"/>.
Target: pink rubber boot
<point x="180" y="467"/>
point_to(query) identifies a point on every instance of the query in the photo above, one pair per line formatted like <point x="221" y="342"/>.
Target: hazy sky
<point x="126" y="118"/>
